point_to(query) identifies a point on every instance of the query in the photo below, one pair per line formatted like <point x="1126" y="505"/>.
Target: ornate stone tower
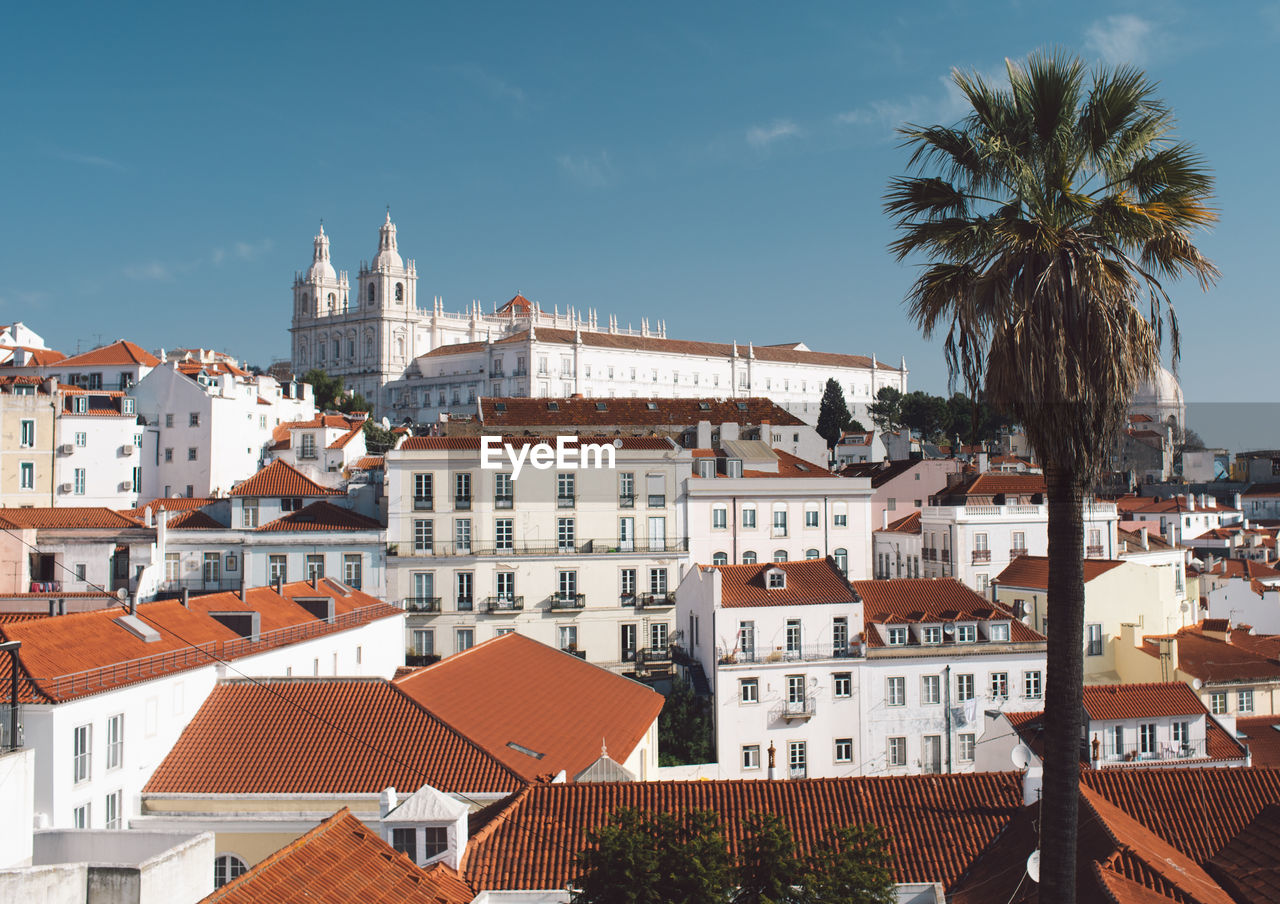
<point x="318" y="294"/>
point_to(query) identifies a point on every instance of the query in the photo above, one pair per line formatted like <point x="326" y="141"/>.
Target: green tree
<point x="852" y="865"/>
<point x="768" y="869"/>
<point x="1049" y="216"/>
<point x="974" y="420"/>
<point x="684" y="727"/>
<point x="833" y="414"/>
<point x="924" y="414"/>
<point x="327" y="389"/>
<point x="885" y="412"/>
<point x="377" y="439"/>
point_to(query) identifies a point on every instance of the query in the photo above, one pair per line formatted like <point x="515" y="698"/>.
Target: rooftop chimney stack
<point x="387" y="801"/>
<point x="773" y="762"/>
<point x="1142" y="532"/>
<point x="186" y="597"/>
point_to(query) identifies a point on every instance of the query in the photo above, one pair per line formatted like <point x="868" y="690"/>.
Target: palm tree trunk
<point x="1063" y="711"/>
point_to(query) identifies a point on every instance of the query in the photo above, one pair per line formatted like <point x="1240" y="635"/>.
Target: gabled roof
<point x="67" y="518"/>
<point x="1249" y="866"/>
<point x="194" y="520"/>
<point x="1141" y="701"/>
<point x="509" y="694"/>
<point x="1246" y="569"/>
<point x="1134" y="539"/>
<point x="99" y="403"/>
<point x="1149" y="505"/>
<point x="936" y="824"/>
<point x="518" y="413"/>
<point x="122" y="351"/>
<point x="1262" y="489"/>
<point x="1262" y="737"/>
<point x="322" y="736"/>
<point x="321" y="515"/>
<point x="517" y="305"/>
<point x="880" y="472"/>
<point x="908" y="525"/>
<point x="807" y="582"/>
<point x="341" y="442"/>
<point x="369" y="463"/>
<point x="169" y="504"/>
<point x="1213" y="660"/>
<point x="1032" y="572"/>
<point x="931" y="600"/>
<point x="39" y="356"/>
<point x="342" y="861"/>
<point x="281" y="479"/>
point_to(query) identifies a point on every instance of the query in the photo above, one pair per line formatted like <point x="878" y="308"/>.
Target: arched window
<point x="227" y="867"/>
<point x="399" y="291"/>
<point x="373" y="293"/>
<point x="812" y="554"/>
<point x="368" y="345"/>
<point x="779" y="555"/>
<point x="748" y="558"/>
<point x="399" y="346"/>
<point x="842" y="560"/>
<point x="333" y="302"/>
<point x="720" y="558"/>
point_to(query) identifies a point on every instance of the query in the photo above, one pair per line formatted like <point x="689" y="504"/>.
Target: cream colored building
<point x="27" y="413"/>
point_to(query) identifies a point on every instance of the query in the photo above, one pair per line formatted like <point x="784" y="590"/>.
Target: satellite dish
<point x="1021" y="757"/>
<point x="1197" y="683"/>
<point x="1033" y="866"/>
<point x="1026" y="620"/>
<point x="949" y="628"/>
<point x="386" y="424"/>
<point x="1186" y="607"/>
<point x="617" y="443"/>
<point x="122" y="594"/>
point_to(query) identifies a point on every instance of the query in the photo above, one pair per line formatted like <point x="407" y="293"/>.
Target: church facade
<point x="419" y="362"/>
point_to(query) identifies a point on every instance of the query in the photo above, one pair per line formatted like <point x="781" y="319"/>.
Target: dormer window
<point x="897" y="636"/>
<point x="966" y="633"/>
<point x="80" y="404"/>
<point x="931" y="634"/>
<point x="776" y="579"/>
<point x="421" y="845"/>
<point x="706" y="467"/>
<point x="999" y="631"/>
<point x="733" y="467"/>
<point x="704" y="406"/>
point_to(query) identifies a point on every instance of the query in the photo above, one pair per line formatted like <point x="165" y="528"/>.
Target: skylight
<point x="652" y="406"/>
<point x="742" y="406"/>
<point x="553" y="406"/>
<point x="525" y="750"/>
<point x="500" y="407"/>
<point x="704" y="406"/>
<point x="601" y="406"/>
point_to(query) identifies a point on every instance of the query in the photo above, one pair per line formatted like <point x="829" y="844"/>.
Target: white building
<point x="116" y="366"/>
<point x="98" y="459"/>
<point x="106" y="694"/>
<point x="420" y="363"/>
<point x="896" y="548"/>
<point x="973" y="529"/>
<point x="323" y="448"/>
<point x="580" y="558"/>
<point x="69" y="551"/>
<point x="209" y="424"/>
<point x="1180" y="518"/>
<point x="748" y="503"/>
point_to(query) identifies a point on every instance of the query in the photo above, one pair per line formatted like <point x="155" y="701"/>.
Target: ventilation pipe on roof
<point x="186" y="597"/>
<point x="277" y="583"/>
<point x="884" y="519"/>
<point x="773" y="761"/>
<point x="1191" y="502"/>
<point x="1142" y="532"/>
<point x="1236" y="502"/>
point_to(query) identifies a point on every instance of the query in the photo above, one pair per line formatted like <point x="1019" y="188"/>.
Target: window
<point x="964" y="687"/>
<point x="406" y="842"/>
<point x="314" y="566"/>
<point x="1093" y="640"/>
<point x="793" y="635"/>
<point x="1147" y="738"/>
<point x="115" y="741"/>
<point x="896" y="691"/>
<point x="628" y="578"/>
<point x="82" y="439"/>
<point x="226" y="868"/>
<point x="812" y="554"/>
<point x="194" y="419"/>
<point x="1244" y="701"/>
<point x="503" y="491"/>
<point x="80" y="817"/>
<point x="626" y="490"/>
<point x="798" y="758"/>
<point x="810" y="517"/>
<point x="931" y="689"/>
<point x="568" y="637"/>
<point x="422" y="499"/>
<point x="965" y="748"/>
<point x="249" y="509"/>
<point x="779" y="555"/>
<point x="81" y="751"/>
<point x="422" y="535"/>
<point x="748" y="690"/>
<point x="658" y="632"/>
<point x="749" y="515"/>
<point x="843" y="684"/>
<point x="780" y="522"/>
<point x="172" y="566"/>
<point x="719" y="518"/>
<point x="435" y="841"/>
<point x="751" y="756"/>
<point x="462" y="491"/>
<point x="277" y="569"/>
<point x="931" y="634"/>
<point x="897" y="636"/>
<point x="565" y="534"/>
<point x="565" y="486"/>
<point x="1182" y="733"/>
<point x="463" y="582"/>
<point x="192" y="453"/>
<point x="1019" y="543"/>
<point x="841" y="557"/>
<point x="115" y="804"/>
<point x="504" y="534"/>
<point x="1032" y="685"/>
<point x="462" y="536"/>
<point x="840" y="636"/>
<point x="212" y="567"/>
<point x="79" y="481"/>
<point x="777" y="579"/>
<point x="1218" y="703"/>
<point x="844" y="750"/>
<point x="506" y="585"/>
<point x="999" y="685"/>
<point x="897" y="751"/>
<point x="999" y="631"/>
<point x="720" y="558"/>
<point x="966" y="633"/>
<point x="567" y="584"/>
<point x="840" y="515"/>
<point x="27" y="475"/>
<point x="28" y="438"/>
<point x="749" y="557"/>
<point x="424" y="642"/>
<point x="464" y="638"/>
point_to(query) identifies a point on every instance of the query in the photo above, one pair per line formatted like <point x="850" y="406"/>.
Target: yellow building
<point x="27" y="411"/>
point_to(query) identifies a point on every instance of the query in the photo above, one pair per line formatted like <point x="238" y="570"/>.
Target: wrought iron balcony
<point x="462" y="503"/>
<point x="1092" y="551"/>
<point x="654" y="658"/>
<point x="805" y="652"/>
<point x="503" y="502"/>
<point x="421" y="604"/>
<point x="626" y="500"/>
<point x="423" y="503"/>
<point x="1159" y="751"/>
<point x="981" y="555"/>
<point x="566" y="501"/>
<point x="504" y="603"/>
<point x="796" y="710"/>
<point x="655" y="600"/>
<point x="1017" y="551"/>
<point x="567" y="601"/>
<point x="603" y="546"/>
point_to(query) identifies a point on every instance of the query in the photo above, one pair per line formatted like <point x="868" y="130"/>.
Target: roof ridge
<point x="516" y="798"/>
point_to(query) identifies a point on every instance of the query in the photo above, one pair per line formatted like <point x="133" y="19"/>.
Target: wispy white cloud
<point x="765" y="136"/>
<point x="589" y="170"/>
<point x="151" y="271"/>
<point x="496" y="87"/>
<point x="23" y="299"/>
<point x="946" y="104"/>
<point x="1120" y="39"/>
<point x="162" y="271"/>
<point x="245" y="251"/>
<point x="88" y="160"/>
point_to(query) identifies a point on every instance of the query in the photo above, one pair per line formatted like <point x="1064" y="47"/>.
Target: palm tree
<point x="1050" y="214"/>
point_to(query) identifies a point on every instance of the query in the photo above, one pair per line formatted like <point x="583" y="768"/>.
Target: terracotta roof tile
<point x="474" y="692"/>
<point x="359" y="735"/>
<point x="122" y="351"/>
<point x="1262" y="737"/>
<point x="1245" y="569"/>
<point x="1134" y="539"/>
<point x="520" y="413"/>
<point x="1249" y="866"/>
<point x="1213" y="660"/>
<point x="908" y="525"/>
<point x="369" y="463"/>
<point x="920" y="600"/>
<point x="996" y="483"/>
<point x="281" y="479"/>
<point x="39" y="356"/>
<point x="194" y="520"/>
<point x="169" y="504"/>
<point x="937" y="824"/>
<point x="67" y="517"/>
<point x="807" y="582"/>
<point x="341" y="442"/>
<point x="342" y="861"/>
<point x="1134" y="701"/>
<point x="1033" y="571"/>
<point x="321" y="515"/>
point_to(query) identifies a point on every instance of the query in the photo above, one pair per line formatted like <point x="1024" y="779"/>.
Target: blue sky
<point x="719" y="166"/>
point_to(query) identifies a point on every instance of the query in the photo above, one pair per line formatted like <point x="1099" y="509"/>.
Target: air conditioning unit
<point x="126" y="450"/>
<point x="65" y="449"/>
<point x="64" y="488"/>
<point x="126" y="485"/>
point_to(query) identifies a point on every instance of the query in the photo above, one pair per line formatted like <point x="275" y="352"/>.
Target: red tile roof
<point x="472" y="443"/>
<point x="1213" y="660"/>
<point x="341" y="442"/>
<point x="321" y="515"/>
<point x="342" y="861"/>
<point x="1134" y="539"/>
<point x="937" y="824"/>
<point x="1141" y="701"/>
<point x="474" y="692"/>
<point x="517" y="305"/>
<point x="169" y="504"/>
<point x="519" y="413"/>
<point x="1242" y="568"/>
<point x="920" y="600"/>
<point x="122" y="351"/>
<point x="908" y="525"/>
<point x="281" y="479"/>
<point x="790" y="466"/>
<point x="807" y="582"/>
<point x="1249" y="866"/>
<point x="1032" y="572"/>
<point x="67" y="517"/>
<point x="39" y="356"/>
<point x="369" y="463"/>
<point x="194" y="520"/>
<point x="85" y="653"/>
<point x="99" y="404"/>
<point x="994" y="483"/>
<point x="323" y="736"/>
<point x="1262" y="737"/>
<point x="880" y="472"/>
<point x="1153" y="505"/>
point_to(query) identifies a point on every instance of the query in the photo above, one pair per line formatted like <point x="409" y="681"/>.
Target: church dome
<point x="388" y="257"/>
<point x="1160" y="398"/>
<point x="321" y="269"/>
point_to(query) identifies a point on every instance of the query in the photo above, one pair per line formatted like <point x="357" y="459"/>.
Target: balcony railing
<point x="565" y="501"/>
<point x="655" y="600"/>
<point x="805" y="652"/>
<point x="600" y="546"/>
<point x="421" y="604"/>
<point x="1161" y="751"/>
<point x="423" y="503"/>
<point x="657" y="500"/>
<point x="421" y="659"/>
<point x="929" y="554"/>
<point x="1093" y="551"/>
<point x="504" y="603"/>
<point x="462" y="503"/>
<point x="567" y="601"/>
<point x="626" y="500"/>
<point x="793" y="710"/>
<point x="651" y="658"/>
<point x="199" y="585"/>
<point x="981" y="555"/>
<point x="503" y="502"/>
<point x="946" y="555"/>
<point x="1016" y="551"/>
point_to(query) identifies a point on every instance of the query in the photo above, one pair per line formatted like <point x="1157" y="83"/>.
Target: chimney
<point x="982" y="462"/>
<point x="884" y="519"/>
<point x="1142" y="532"/>
<point x="186" y="597"/>
<point x="387" y="801"/>
<point x="773" y="762"/>
<point x="1191" y="502"/>
<point x="1236" y="503"/>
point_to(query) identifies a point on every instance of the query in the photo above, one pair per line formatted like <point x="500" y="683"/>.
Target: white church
<point x="419" y="363"/>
